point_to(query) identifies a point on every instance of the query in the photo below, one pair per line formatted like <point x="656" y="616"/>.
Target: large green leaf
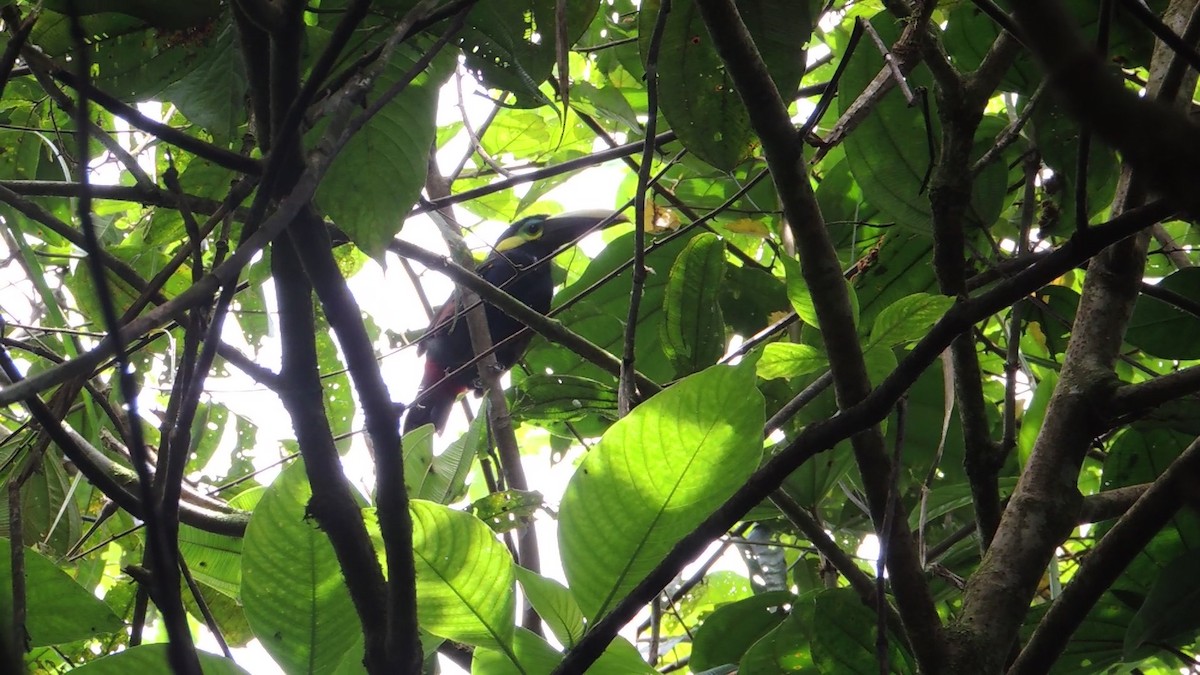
<point x="510" y="45"/>
<point x="969" y="35"/>
<point x="535" y="656"/>
<point x="1168" y="615"/>
<point x="446" y="481"/>
<point x="58" y="609"/>
<point x="697" y="96"/>
<point x="292" y="588"/>
<point x="786" y="359"/>
<point x="653" y="477"/>
<point x="378" y="176"/>
<point x="908" y="319"/>
<point x="555" y="604"/>
<point x="785" y="648"/>
<point x="418" y="458"/>
<point x="1163" y="330"/>
<point x="1097" y="644"/>
<point x="464" y="577"/>
<point x="693" y="330"/>
<point x="751" y="299"/>
<point x="801" y="296"/>
<point x="843" y="640"/>
<point x="561" y="398"/>
<point x="729" y="631"/>
<point x="153" y="659"/>
<point x="213" y="559"/>
<point x="213" y="94"/>
<point x="1140" y="455"/>
<point x="903" y="266"/>
<point x="891" y="152"/>
<point x="130" y="61"/>
<point x="809" y="484"/>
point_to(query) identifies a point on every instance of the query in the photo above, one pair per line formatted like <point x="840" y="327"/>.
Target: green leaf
<point x="510" y="45"/>
<point x="697" y="96"/>
<point x="1163" y="330"/>
<point x="561" y="398"/>
<point x="809" y="484"/>
<point x="292" y="588"/>
<point x="1169" y="610"/>
<point x="843" y="640"/>
<point x="555" y="604"/>
<point x="213" y="95"/>
<point x="447" y="480"/>
<point x="891" y="152"/>
<point x="904" y="266"/>
<point x="464" y="577"/>
<point x="751" y="299"/>
<point x="786" y="359"/>
<point x="1031" y="421"/>
<point x="801" y="296"/>
<point x="729" y="631"/>
<point x="654" y="476"/>
<point x="213" y="559"/>
<point x="535" y="656"/>
<point x="714" y="590"/>
<point x="908" y="319"/>
<point x="384" y="165"/>
<point x="785" y="648"/>
<point x="190" y="15"/>
<point x="153" y="659"/>
<point x="58" y="609"/>
<point x="507" y="510"/>
<point x="693" y="330"/>
<point x="418" y="458"/>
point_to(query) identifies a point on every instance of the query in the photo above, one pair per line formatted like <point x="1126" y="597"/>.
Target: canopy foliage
<point x="940" y="256"/>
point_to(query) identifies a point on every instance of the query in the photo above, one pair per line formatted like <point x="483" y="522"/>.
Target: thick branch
<point x="820" y="436"/>
<point x="823" y="276"/>
<point x="1155" y="139"/>
<point x="1135" y="399"/>
<point x="332" y="504"/>
<point x="1045" y="504"/>
<point x="1101" y="567"/>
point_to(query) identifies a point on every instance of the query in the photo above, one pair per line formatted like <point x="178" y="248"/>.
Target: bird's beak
<point x="570" y="227"/>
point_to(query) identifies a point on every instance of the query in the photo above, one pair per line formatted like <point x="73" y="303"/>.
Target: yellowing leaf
<point x="754" y="228"/>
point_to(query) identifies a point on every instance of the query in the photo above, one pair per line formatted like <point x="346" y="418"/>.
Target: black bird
<point x="519" y="264"/>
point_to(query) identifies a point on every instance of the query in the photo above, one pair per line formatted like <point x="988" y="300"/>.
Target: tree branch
<point x="823" y="276"/>
<point x="548" y="328"/>
<point x="1101" y="567"/>
<point x="823" y="435"/>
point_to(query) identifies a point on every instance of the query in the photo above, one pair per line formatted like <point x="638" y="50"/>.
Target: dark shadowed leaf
<point x="697" y="96"/>
<point x="693" y="330"/>
<point x="729" y="631"/>
<point x="384" y="165"/>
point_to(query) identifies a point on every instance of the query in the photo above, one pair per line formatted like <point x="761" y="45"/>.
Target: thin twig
<point x="627" y="395"/>
<point x="160" y="544"/>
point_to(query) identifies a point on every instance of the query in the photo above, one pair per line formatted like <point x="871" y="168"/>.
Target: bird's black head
<point x="535" y="237"/>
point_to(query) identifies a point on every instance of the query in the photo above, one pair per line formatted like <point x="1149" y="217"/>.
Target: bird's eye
<point x="533" y="229"/>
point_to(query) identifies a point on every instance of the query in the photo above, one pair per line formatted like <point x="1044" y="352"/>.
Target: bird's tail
<point x="434" y="410"/>
<point x="437" y="395"/>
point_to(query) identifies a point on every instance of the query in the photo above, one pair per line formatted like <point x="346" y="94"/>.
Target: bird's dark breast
<point x="533" y="287"/>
